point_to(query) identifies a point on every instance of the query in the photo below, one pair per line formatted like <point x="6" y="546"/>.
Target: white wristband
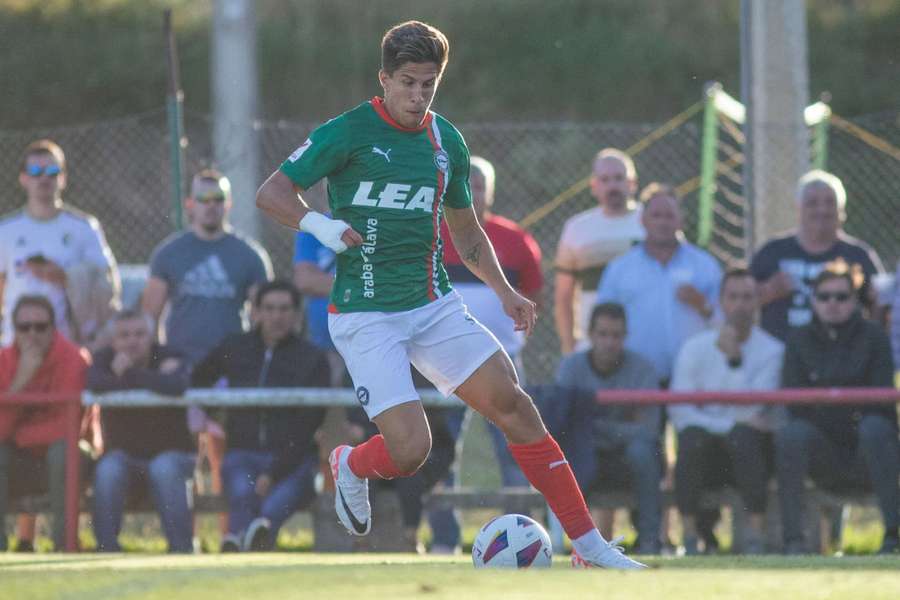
<point x="328" y="231"/>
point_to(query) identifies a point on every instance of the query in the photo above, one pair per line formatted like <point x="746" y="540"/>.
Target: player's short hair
<point x="630" y="171"/>
<point x="610" y="310"/>
<point x="656" y="188"/>
<point x="43" y="147"/>
<point x="734" y="273"/>
<point x="817" y="178"/>
<point x="212" y="176"/>
<point x="486" y="170"/>
<point x="415" y="42"/>
<point x="34" y="300"/>
<point x="277" y="285"/>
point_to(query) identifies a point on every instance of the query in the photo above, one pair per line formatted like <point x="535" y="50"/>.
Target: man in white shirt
<point x="590" y="240"/>
<point x="53" y="250"/>
<point x="720" y="444"/>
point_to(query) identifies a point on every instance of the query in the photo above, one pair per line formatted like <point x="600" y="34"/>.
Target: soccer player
<point x="395" y="170"/>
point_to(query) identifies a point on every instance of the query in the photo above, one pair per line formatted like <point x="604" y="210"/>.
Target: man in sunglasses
<point x="207" y="274"/>
<point x="786" y="266"/>
<point x="838" y="446"/>
<point x="51" y="249"/>
<point x="32" y="446"/>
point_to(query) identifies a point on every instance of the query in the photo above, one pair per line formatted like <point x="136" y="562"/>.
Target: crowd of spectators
<point x="636" y="307"/>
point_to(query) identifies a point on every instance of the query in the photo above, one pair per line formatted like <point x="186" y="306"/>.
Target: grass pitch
<point x="372" y="576"/>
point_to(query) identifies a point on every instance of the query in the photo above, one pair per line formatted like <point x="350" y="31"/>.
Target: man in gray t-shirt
<point x="206" y="273"/>
<point x="626" y="439"/>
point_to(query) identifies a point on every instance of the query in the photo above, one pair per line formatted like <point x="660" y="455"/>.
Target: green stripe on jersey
<point x="390" y="185"/>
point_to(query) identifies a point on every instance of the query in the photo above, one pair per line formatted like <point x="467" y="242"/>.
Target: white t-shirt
<point x="702" y="367"/>
<point x="589" y="241"/>
<point x="69" y="238"/>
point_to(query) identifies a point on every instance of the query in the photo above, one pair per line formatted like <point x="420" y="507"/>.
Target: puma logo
<point x="386" y="155"/>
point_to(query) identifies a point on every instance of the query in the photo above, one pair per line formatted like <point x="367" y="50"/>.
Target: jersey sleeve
<point x="261" y="264"/>
<point x="161" y="264"/>
<point x="96" y="251"/>
<point x="324" y="152"/>
<point x="458" y="194"/>
<point x="764" y="263"/>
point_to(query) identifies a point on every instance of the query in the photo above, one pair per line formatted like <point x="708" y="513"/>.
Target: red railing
<point x="72" y="405"/>
<point x="782" y="396"/>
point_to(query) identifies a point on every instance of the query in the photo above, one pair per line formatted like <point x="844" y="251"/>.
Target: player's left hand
<point x="521" y="310"/>
<point x="263" y="485"/>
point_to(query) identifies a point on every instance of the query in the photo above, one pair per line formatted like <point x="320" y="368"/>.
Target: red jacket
<point x="63" y="370"/>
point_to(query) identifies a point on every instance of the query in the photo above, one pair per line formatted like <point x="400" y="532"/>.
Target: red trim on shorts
<point x="381" y="110"/>
<point x="434" y="219"/>
<point x="332" y="308"/>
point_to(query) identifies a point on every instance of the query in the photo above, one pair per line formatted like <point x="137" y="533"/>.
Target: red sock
<point x="372" y="459"/>
<point x="546" y="468"/>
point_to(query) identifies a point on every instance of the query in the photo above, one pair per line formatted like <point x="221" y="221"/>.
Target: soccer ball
<point x="512" y="541"/>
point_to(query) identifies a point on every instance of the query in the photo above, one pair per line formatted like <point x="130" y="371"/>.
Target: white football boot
<point x="351" y="494"/>
<point x="608" y="556"/>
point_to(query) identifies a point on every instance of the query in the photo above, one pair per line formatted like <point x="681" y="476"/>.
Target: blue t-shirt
<point x="309" y="250"/>
<point x="208" y="284"/>
<point x="657" y="322"/>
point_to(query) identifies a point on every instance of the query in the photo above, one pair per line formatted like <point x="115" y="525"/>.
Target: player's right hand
<point x="334" y="234"/>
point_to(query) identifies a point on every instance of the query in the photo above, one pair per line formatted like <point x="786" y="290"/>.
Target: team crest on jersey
<point x="441" y="160"/>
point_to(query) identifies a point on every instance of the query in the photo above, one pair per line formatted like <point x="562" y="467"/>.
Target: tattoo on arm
<point x="473" y="254"/>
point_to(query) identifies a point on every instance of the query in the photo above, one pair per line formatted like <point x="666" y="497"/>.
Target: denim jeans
<point x="239" y="473"/>
<point x="168" y="478"/>
<point x="802" y="450"/>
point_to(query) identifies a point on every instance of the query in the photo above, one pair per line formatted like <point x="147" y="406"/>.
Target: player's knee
<point x="512" y="405"/>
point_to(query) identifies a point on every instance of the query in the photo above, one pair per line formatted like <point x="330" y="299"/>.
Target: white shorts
<point x="440" y="339"/>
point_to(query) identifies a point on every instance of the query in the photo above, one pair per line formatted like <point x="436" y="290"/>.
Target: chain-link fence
<point x="119" y="171"/>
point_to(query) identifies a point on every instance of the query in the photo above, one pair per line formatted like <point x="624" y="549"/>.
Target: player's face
<point x="34" y="328"/>
<point x="277" y="315"/>
<point x="834" y="301"/>
<point x="408" y="92"/>
<point x="208" y="206"/>
<point x="132" y="338"/>
<point x="739" y="301"/>
<point x="819" y="215"/>
<point x="42" y="178"/>
<point x="662" y="220"/>
<point x="610" y="184"/>
<point x="608" y="339"/>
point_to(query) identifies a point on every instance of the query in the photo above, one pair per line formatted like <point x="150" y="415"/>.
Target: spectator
<point x="719" y="444"/>
<point x="669" y="287"/>
<point x="590" y="240"/>
<point x="626" y="439"/>
<point x="40" y="361"/>
<point x="144" y="448"/>
<point x="53" y="250"/>
<point x="520" y="257"/>
<point x="786" y="266"/>
<point x="895" y="326"/>
<point x="314" y="268"/>
<point x="207" y="274"/>
<point x="845" y="445"/>
<point x="272" y="458"/>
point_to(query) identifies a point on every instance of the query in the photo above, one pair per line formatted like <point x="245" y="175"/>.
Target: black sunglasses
<point x="36" y="326"/>
<point x="206" y="199"/>
<point x="37" y="170"/>
<point x="826" y="296"/>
